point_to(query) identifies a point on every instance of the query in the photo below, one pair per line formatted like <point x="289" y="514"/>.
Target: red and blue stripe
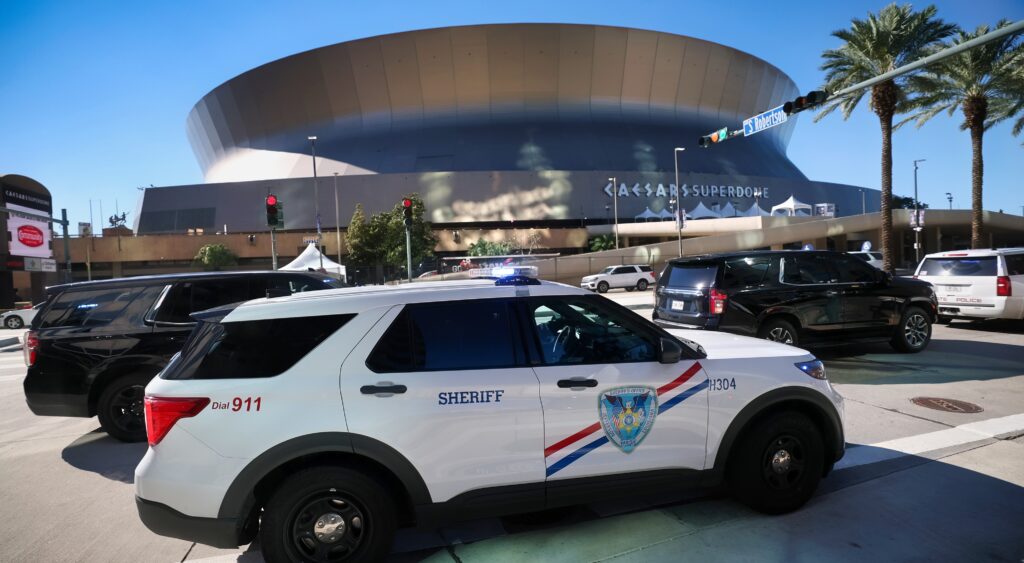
<point x="591" y="446"/>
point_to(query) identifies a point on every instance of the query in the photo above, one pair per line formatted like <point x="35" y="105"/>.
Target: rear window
<point x="93" y="308"/>
<point x="691" y="275"/>
<point x="250" y="349"/>
<point x="967" y="266"/>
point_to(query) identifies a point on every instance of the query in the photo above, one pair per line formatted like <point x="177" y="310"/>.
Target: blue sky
<point x="95" y="94"/>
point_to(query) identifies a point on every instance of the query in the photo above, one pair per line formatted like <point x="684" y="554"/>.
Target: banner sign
<point x="28" y="236"/>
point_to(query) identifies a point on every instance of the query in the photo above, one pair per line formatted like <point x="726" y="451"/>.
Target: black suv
<point x="796" y="297"/>
<point x="95" y="345"/>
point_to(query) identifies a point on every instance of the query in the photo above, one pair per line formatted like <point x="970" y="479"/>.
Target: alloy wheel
<point x="127" y="409"/>
<point x="916" y="330"/>
<point x="780" y="334"/>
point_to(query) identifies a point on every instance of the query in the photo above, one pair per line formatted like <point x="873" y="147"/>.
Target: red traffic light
<point x="271" y="200"/>
<point x="406" y="202"/>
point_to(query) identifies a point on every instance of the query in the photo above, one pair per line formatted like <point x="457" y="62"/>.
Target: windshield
<point x="985" y="266"/>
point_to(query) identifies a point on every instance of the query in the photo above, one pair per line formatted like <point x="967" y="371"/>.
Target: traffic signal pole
<point x="408" y="253"/>
<point x="273" y="248"/>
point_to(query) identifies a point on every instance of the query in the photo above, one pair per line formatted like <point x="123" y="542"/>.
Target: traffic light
<point x="275" y="217"/>
<point x="714" y="137"/>
<point x="807" y="101"/>
<point x="407" y="211"/>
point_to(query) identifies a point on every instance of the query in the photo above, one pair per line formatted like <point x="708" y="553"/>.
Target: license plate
<point x="953" y="288"/>
<point x="678" y="305"/>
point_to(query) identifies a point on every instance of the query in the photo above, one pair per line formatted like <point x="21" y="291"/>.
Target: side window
<point x="745" y="272"/>
<point x="250" y="349"/>
<point x="578" y="330"/>
<point x="1015" y="265"/>
<point x="646" y="269"/>
<point x="806" y="270"/>
<point x="447" y="336"/>
<point x="187" y="297"/>
<point x="624" y="270"/>
<point x="854" y="271"/>
<point x="88" y="308"/>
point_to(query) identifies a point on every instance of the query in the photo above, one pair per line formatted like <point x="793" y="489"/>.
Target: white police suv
<point x="324" y="421"/>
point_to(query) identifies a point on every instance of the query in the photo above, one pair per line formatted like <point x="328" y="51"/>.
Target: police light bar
<point x="517" y="280"/>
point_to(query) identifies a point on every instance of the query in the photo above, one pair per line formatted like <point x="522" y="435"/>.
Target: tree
<point x="214" y="257"/>
<point x="382" y="239"/>
<point x="984" y="83"/>
<point x="601" y="243"/>
<point x="901" y="202"/>
<point x="896" y="36"/>
<point x="487" y="248"/>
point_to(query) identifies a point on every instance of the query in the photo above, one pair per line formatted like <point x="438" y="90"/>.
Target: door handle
<point x="383" y="389"/>
<point x="576" y="383"/>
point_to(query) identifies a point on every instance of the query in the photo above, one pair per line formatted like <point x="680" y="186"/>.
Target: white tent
<point x="791" y="206"/>
<point x="755" y="211"/>
<point x="665" y="214"/>
<point x="310" y="259"/>
<point x="728" y="210"/>
<point x="701" y="212"/>
<point x="647" y="215"/>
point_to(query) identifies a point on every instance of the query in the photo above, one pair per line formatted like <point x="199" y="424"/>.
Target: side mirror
<point x="670" y="351"/>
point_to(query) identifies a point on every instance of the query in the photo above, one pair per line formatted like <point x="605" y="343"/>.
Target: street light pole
<point x="615" y="204"/>
<point x="917" y="218"/>
<point x="337" y="218"/>
<point x="949" y="197"/>
<point x="316" y="198"/>
<point x="679" y="200"/>
<point x="863" y="205"/>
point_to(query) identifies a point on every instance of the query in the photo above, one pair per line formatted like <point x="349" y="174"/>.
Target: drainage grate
<point x="946" y="405"/>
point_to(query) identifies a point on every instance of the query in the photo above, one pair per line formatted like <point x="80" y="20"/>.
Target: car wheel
<point x="602" y="287"/>
<point x="777" y="464"/>
<point x="14" y="322"/>
<point x="641" y="285"/>
<point x="914" y="331"/>
<point x="121" y="408"/>
<point x="779" y="330"/>
<point x="328" y="514"/>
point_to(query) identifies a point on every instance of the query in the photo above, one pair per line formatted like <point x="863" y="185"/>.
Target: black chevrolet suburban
<point x="94" y="346"/>
<point x="796" y="297"/>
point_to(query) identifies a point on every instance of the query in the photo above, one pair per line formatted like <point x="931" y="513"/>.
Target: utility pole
<point x="917" y="218"/>
<point x="615" y="204"/>
<point x="316" y="198"/>
<point x="863" y="204"/>
<point x="337" y="217"/>
<point x="678" y="200"/>
<point x="67" y="249"/>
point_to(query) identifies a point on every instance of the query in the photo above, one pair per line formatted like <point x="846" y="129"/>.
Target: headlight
<point x="813" y="368"/>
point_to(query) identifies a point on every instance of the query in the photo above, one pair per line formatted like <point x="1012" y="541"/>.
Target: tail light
<point x="654" y="275"/>
<point x="31" y="347"/>
<point x="717" y="305"/>
<point x="163" y="412"/>
<point x="1003" y="287"/>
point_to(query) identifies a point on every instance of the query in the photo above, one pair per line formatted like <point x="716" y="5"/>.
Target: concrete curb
<point x="9" y="341"/>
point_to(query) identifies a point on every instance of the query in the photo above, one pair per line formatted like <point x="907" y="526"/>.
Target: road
<point x="915" y="484"/>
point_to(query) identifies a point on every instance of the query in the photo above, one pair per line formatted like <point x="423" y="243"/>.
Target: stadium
<point x="495" y="126"/>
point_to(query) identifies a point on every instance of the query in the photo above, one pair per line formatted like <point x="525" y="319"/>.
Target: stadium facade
<point x="517" y="123"/>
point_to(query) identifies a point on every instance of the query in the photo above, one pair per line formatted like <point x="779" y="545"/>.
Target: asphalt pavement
<point x="916" y="483"/>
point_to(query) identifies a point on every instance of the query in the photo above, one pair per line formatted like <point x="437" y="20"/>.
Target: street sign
<point x="917" y="219"/>
<point x="85" y="229"/>
<point x="762" y="121"/>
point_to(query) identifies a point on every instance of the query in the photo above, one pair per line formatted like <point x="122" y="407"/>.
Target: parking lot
<point x="915" y="484"/>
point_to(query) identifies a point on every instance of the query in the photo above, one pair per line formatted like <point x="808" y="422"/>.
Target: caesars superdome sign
<point x="695" y="191"/>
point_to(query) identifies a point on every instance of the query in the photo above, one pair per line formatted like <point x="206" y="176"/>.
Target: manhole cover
<point x="946" y="405"/>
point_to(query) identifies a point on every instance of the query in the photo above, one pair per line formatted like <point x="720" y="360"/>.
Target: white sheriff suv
<point x="638" y="277"/>
<point x="324" y="421"/>
<point x="976" y="284"/>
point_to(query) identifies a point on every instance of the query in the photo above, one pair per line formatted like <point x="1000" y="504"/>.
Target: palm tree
<point x="895" y="36"/>
<point x="984" y="82"/>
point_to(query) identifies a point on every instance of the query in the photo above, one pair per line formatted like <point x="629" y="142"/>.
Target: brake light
<point x="31" y="348"/>
<point x="717" y="305"/>
<point x="1003" y="287"/>
<point x="163" y="412"/>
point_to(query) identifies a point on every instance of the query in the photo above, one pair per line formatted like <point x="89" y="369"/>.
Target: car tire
<point x="641" y="285"/>
<point x="914" y="331"/>
<point x="779" y="330"/>
<point x="777" y="463"/>
<point x="602" y="287"/>
<point x="14" y="322"/>
<point x="360" y="509"/>
<point x="121" y="408"/>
